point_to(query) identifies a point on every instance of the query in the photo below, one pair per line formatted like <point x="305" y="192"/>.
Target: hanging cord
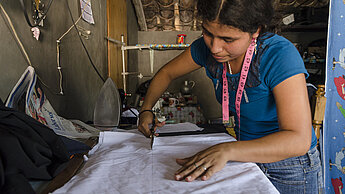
<point x="88" y="55"/>
<point x="58" y="41"/>
<point x="39" y="18"/>
<point x="59" y="66"/>
<point x="14" y="33"/>
<point x="135" y="114"/>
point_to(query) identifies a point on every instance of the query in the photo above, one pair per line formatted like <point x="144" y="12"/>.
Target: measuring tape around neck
<point x="240" y="88"/>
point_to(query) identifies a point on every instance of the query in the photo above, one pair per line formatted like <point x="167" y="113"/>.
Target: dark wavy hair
<point x="246" y="15"/>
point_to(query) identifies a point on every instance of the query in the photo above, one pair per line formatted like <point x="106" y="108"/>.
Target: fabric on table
<point x="122" y="162"/>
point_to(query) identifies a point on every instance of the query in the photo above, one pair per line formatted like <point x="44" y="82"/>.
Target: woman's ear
<point x="257" y="33"/>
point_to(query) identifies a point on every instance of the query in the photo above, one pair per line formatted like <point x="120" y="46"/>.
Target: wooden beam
<point x="117" y="26"/>
<point x="140" y="14"/>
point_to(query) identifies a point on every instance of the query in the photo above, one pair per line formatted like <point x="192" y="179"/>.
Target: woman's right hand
<point x="145" y="119"/>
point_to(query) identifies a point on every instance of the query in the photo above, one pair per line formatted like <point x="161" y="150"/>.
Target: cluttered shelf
<point x="316" y="73"/>
<point x="316" y="68"/>
<point x="314" y="58"/>
<point x="175" y="107"/>
<point x="321" y="27"/>
<point x="184" y="108"/>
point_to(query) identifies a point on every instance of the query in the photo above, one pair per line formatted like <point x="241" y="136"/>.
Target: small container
<point x="181" y="38"/>
<point x="187" y="87"/>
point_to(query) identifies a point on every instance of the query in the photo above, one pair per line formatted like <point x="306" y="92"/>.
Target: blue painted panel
<point x="334" y="123"/>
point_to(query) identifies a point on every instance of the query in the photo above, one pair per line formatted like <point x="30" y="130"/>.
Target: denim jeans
<point x="302" y="174"/>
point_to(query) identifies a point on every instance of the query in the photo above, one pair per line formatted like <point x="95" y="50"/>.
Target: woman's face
<point x="226" y="43"/>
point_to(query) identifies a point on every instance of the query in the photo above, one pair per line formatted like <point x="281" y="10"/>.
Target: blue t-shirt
<point x="276" y="60"/>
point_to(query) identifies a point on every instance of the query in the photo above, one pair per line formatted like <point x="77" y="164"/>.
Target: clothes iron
<point x="107" y="110"/>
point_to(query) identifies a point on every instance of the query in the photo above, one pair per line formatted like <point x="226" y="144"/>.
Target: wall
<point x="203" y="88"/>
<point x="80" y="82"/>
<point x="132" y="39"/>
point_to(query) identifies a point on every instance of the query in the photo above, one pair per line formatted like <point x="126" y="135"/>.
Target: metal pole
<point x="123" y="63"/>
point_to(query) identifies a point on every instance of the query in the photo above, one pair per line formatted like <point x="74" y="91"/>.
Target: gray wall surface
<point x="132" y="55"/>
<point x="80" y="82"/>
<point x="203" y="88"/>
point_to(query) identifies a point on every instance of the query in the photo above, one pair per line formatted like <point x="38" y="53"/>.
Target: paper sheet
<point x="85" y="7"/>
<point x="123" y="163"/>
<point x="180" y="127"/>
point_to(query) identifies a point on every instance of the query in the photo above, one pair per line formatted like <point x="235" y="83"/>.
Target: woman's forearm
<point x="271" y="148"/>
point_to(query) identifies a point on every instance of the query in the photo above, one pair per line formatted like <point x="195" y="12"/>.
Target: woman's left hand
<point x="203" y="164"/>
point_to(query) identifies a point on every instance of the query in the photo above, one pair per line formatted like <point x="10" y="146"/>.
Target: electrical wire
<point x="302" y="4"/>
<point x="288" y="4"/>
<point x="9" y="21"/>
<point x="87" y="52"/>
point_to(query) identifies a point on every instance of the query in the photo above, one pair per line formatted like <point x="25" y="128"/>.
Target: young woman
<point x="260" y="78"/>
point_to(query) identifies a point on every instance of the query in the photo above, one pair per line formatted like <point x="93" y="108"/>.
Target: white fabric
<point x="122" y="162"/>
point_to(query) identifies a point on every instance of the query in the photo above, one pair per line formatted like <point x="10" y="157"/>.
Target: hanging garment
<point x="28" y="151"/>
<point x="333" y="144"/>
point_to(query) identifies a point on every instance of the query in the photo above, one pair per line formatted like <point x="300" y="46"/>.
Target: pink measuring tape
<point x="241" y="83"/>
